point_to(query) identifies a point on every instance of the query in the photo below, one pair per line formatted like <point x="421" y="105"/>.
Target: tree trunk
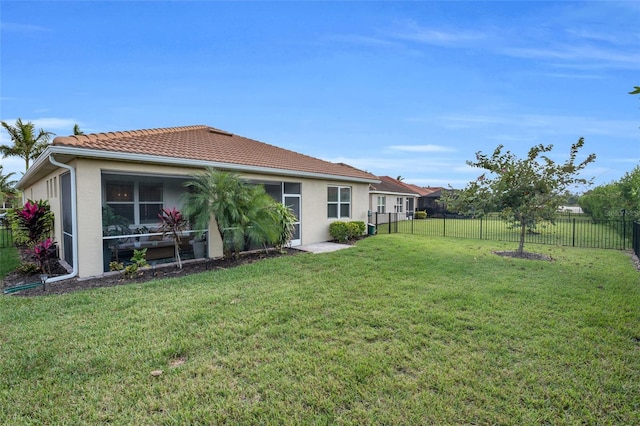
<point x="523" y="229"/>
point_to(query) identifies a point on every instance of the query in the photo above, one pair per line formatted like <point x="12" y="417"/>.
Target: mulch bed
<point x="158" y="272"/>
<point x="524" y="255"/>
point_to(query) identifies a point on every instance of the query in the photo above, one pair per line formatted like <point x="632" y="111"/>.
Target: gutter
<point x="74" y="223"/>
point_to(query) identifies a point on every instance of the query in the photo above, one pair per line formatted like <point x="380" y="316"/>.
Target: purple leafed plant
<point x="172" y="223"/>
<point x="44" y="251"/>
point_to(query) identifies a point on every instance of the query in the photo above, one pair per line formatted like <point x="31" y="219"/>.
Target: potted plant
<point x="139" y="230"/>
<point x="199" y="246"/>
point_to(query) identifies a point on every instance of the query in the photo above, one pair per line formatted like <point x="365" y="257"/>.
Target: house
<point x="430" y="201"/>
<point x="137" y="173"/>
<point x="391" y="196"/>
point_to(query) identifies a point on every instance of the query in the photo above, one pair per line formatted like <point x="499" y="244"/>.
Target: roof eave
<point x="173" y="161"/>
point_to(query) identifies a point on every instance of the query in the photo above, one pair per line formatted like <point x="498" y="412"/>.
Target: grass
<point x="399" y="329"/>
<point x="575" y="232"/>
<point x="9" y="260"/>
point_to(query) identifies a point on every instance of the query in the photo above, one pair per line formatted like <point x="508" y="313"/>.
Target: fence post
<point x="444" y="225"/>
<point x="389" y="222"/>
<point x="480" y="227"/>
<point x="624" y="229"/>
<point x="573" y="233"/>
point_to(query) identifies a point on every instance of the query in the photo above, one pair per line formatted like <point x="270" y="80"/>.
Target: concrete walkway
<point x="322" y="247"/>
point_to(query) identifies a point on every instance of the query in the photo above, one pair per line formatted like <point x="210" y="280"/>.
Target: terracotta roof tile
<point x="389" y="184"/>
<point x="204" y="143"/>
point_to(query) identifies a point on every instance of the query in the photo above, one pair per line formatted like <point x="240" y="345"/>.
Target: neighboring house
<point x="430" y="201"/>
<point x="391" y="196"/>
<point x="136" y="173"/>
<point x="570" y="209"/>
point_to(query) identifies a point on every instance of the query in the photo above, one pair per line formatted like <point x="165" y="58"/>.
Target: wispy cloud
<point x="22" y="28"/>
<point x="421" y="148"/>
<point x="439" y="36"/>
<point x="578" y="56"/>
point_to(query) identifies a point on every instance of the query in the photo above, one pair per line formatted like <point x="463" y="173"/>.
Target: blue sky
<point x="410" y="89"/>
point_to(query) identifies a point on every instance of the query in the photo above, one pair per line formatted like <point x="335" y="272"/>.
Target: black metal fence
<point x="6" y="237"/>
<point x="636" y="238"/>
<point x="567" y="230"/>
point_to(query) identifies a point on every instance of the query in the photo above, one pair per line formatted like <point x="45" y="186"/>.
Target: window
<point x="120" y="199"/>
<point x="339" y="201"/>
<point x="382" y="204"/>
<point x="398" y="207"/>
<point x="138" y="201"/>
<point x="150" y="201"/>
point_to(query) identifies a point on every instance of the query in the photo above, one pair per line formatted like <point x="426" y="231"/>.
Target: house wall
<point x="315" y="223"/>
<point x="389" y="206"/>
<point x="48" y="188"/>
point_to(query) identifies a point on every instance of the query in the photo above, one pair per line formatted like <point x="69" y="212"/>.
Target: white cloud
<point x="422" y="148"/>
<point x="23" y="28"/>
<point x="64" y="126"/>
<point x="451" y="37"/>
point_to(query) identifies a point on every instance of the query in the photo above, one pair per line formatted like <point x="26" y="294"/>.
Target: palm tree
<point x="76" y="130"/>
<point x="6" y="186"/>
<point x="26" y="144"/>
<point x="242" y="211"/>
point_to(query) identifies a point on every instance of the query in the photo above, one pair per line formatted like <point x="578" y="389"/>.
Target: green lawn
<point x="579" y="231"/>
<point x="9" y="260"/>
<point x="397" y="330"/>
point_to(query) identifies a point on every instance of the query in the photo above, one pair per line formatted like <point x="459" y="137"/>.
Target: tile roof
<point x="417" y="189"/>
<point x="204" y="143"/>
<point x="389" y="184"/>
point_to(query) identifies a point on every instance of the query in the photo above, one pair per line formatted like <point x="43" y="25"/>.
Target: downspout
<point x="74" y="223"/>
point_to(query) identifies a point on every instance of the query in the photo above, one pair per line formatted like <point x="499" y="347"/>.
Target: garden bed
<point x="111" y="279"/>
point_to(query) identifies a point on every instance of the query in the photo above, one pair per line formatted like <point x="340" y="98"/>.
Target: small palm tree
<point x="7" y="187"/>
<point x="243" y="212"/>
<point x="76" y="130"/>
<point x="26" y="144"/>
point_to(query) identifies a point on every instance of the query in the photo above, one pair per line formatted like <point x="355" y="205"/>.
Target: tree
<point x="244" y="213"/>
<point x="26" y="144"/>
<point x="636" y="90"/>
<point x="7" y="187"/>
<point x="76" y="130"/>
<point x="524" y="191"/>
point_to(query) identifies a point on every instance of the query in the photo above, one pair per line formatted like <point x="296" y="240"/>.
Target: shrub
<point x="344" y="231"/>
<point x="33" y="222"/>
<point x="356" y="229"/>
<point x="28" y="268"/>
<point x="339" y="230"/>
<point x="44" y="252"/>
<point x="421" y="214"/>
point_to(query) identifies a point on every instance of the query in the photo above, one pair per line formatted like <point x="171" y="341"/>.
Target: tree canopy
<point x="525" y="191"/>
<point x="26" y="143"/>
<point x="244" y="213"/>
<point x="7" y="186"/>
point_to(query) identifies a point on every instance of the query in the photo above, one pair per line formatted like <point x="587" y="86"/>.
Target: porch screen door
<point x="67" y="218"/>
<point x="293" y="202"/>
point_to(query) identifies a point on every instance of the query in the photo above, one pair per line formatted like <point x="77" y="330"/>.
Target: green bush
<point x="344" y="231"/>
<point x="339" y="231"/>
<point x="356" y="229"/>
<point x="420" y="214"/>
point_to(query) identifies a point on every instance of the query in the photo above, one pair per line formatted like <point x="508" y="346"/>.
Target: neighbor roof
<point x="390" y="185"/>
<point x="205" y="144"/>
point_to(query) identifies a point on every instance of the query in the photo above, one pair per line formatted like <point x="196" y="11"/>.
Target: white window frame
<point x="398" y="206"/>
<point x="381" y="207"/>
<point x="339" y="203"/>
<point x="136" y="203"/>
